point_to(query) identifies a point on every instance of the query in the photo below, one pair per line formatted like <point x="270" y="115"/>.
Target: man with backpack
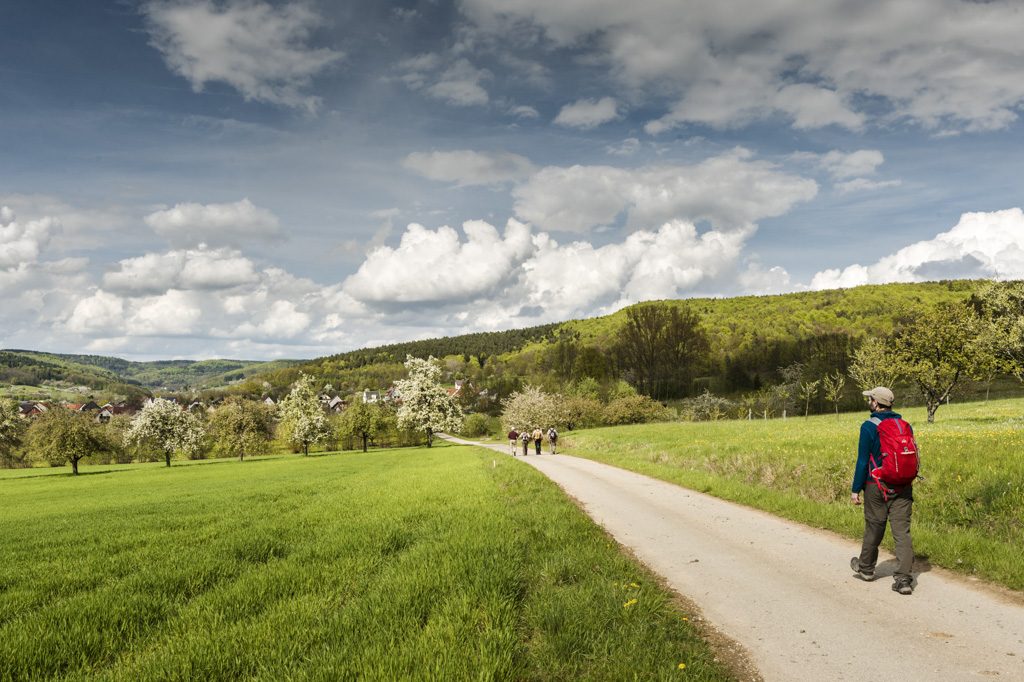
<point x="887" y="464"/>
<point x="553" y="439"/>
<point x="513" y="440"/>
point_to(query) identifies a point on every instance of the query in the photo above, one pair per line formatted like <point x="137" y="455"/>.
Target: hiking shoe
<point x="903" y="586"/>
<point x="866" y="576"/>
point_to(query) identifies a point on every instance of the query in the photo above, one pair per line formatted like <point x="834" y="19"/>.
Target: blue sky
<point x="252" y="179"/>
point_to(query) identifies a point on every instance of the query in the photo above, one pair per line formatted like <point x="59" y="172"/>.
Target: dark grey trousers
<point x="897" y="511"/>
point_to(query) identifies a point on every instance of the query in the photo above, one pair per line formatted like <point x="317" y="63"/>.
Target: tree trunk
<point x="74" y="466"/>
<point x="430" y="438"/>
<point x="365" y="438"/>
<point x="241" y="455"/>
<point x="305" y="449"/>
<point x="167" y="457"/>
<point x="933" y="406"/>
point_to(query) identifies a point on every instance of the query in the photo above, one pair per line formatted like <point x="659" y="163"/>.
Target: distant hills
<point x="750" y="337"/>
<point x="31" y="374"/>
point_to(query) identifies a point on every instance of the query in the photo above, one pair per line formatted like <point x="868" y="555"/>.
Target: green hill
<point x="750" y="338"/>
<point x="54" y="374"/>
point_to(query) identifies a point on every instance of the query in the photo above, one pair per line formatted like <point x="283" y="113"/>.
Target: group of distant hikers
<point x="515" y="436"/>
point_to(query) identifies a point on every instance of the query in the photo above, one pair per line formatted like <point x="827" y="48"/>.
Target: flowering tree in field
<point x="61" y="436"/>
<point x="426" y="405"/>
<point x="303" y="421"/>
<point x="531" y="408"/>
<point x="170" y="428"/>
<point x="241" y="427"/>
<point x="363" y="420"/>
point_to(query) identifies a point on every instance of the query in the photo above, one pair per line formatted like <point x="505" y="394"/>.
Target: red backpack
<point x="900" y="455"/>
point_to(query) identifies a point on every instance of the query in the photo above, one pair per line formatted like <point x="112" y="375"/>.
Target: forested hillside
<point x="729" y="346"/>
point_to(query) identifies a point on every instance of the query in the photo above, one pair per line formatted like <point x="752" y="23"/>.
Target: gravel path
<point x="785" y="591"/>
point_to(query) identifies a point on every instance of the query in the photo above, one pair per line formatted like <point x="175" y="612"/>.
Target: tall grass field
<point x="448" y="563"/>
<point x="968" y="513"/>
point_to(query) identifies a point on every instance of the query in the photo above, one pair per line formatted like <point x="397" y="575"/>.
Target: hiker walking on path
<point x="887" y="463"/>
<point x="553" y="438"/>
<point x="525" y="437"/>
<point x="538" y="435"/>
<point x="513" y="440"/>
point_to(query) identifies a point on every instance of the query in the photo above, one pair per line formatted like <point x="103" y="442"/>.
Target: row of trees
<point x="237" y="428"/>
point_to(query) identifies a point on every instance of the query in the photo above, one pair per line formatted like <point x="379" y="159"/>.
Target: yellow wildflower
<point x="682" y="666"/>
<point x="629" y="603"/>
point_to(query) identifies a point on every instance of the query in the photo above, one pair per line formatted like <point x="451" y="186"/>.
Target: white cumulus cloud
<point x="437" y="266"/>
<point x="188" y="269"/>
<point x="258" y="48"/>
<point x="979" y="245"/>
<point x="173" y="313"/>
<point x="234" y="223"/>
<point x="100" y="312"/>
<point x="673" y="260"/>
<point x="731" y="191"/>
<point x="22" y="242"/>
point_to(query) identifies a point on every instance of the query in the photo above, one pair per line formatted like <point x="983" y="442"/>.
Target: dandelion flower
<point x="629" y="603"/>
<point x="682" y="666"/>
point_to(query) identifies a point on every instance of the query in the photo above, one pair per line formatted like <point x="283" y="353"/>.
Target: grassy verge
<point x="448" y="563"/>
<point x="968" y="514"/>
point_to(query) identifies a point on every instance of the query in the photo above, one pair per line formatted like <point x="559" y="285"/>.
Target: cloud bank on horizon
<point x="304" y="179"/>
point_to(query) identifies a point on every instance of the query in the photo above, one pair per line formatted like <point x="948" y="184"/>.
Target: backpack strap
<point x="884" y="489"/>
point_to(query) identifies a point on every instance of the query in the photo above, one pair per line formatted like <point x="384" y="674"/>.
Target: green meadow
<point x="444" y="563"/>
<point x="968" y="513"/>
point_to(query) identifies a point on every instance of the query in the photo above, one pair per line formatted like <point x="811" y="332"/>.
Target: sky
<point x="257" y="180"/>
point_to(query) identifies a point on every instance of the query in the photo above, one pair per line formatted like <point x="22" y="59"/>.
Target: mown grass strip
<point x="968" y="514"/>
<point x="448" y="563"/>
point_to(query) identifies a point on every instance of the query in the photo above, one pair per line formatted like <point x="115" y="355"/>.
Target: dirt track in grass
<point x="785" y="591"/>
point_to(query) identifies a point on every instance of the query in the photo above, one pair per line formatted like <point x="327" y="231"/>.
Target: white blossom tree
<point x="426" y="405"/>
<point x="303" y="422"/>
<point x="531" y="408"/>
<point x="241" y="427"/>
<point x="170" y="428"/>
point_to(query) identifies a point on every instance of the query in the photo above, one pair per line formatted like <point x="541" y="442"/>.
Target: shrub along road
<point x="785" y="591"/>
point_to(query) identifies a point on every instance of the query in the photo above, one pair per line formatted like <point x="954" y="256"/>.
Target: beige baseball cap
<point x="882" y="395"/>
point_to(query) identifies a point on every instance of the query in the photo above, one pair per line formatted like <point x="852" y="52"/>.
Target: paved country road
<point x="786" y="593"/>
